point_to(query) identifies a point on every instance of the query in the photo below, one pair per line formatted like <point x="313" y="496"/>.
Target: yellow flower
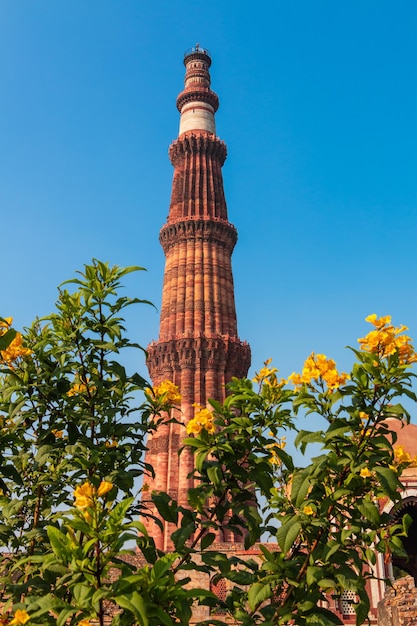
<point x="82" y="387"/>
<point x="265" y="372"/>
<point x="112" y="443"/>
<point x="76" y="389"/>
<point x="167" y="392"/>
<point x="202" y="420"/>
<point x="193" y="427"/>
<point x="88" y="518"/>
<point x="308" y="510"/>
<point x="103" y="488"/>
<point x="210" y="428"/>
<point x="272" y="448"/>
<point x="84" y="622"/>
<point x="365" y="473"/>
<point x="401" y="455"/>
<point x="20" y="617"/>
<point x="57" y="433"/>
<point x="378" y="323"/>
<point x="295" y="379"/>
<point x="84" y="495"/>
<point x="5" y="324"/>
<point x="206" y="418"/>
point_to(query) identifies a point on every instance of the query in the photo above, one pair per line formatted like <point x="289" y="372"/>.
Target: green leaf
<point x="64" y="614"/>
<point x="323" y="617"/>
<point x="363" y="607"/>
<point x="43" y="455"/>
<point x="181" y="535"/>
<point x="313" y="574"/>
<point x="59" y="543"/>
<point x="167" y="508"/>
<point x="138" y="380"/>
<point x="369" y="511"/>
<point x="288" y="533"/>
<point x="331" y="548"/>
<point x="7" y="338"/>
<point x="82" y="594"/>
<point x="299" y="487"/>
<point x="162" y="566"/>
<point x="134" y="603"/>
<point x="305" y="437"/>
<point x="327" y="583"/>
<point x="389" y="482"/>
<point x="207" y="540"/>
<point x="118" y="513"/>
<point x="258" y="593"/>
<point x="215" y="475"/>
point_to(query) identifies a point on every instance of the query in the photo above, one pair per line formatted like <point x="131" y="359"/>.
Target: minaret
<point x="198" y="346"/>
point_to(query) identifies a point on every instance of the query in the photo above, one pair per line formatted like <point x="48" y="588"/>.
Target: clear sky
<point x="318" y="108"/>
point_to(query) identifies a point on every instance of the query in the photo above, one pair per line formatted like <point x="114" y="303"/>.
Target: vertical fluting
<point x="198" y="346"/>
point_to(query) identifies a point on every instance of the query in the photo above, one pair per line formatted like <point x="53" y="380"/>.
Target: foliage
<point x="72" y="451"/>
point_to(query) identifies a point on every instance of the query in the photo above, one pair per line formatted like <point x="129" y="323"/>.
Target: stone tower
<point x="198" y="346"/>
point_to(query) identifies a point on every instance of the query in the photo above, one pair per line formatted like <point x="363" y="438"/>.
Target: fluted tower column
<point x="198" y="347"/>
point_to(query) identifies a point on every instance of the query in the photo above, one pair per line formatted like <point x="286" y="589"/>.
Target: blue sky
<point x="318" y="108"/>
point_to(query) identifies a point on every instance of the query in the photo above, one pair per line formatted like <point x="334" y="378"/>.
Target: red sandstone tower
<point x="198" y="346"/>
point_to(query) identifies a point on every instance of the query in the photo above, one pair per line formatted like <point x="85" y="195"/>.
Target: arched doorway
<point x="407" y="564"/>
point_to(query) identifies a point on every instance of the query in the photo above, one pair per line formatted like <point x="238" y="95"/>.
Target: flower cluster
<point x="273" y="448"/>
<point x="268" y="376"/>
<point x="202" y="420"/>
<point x="81" y="387"/>
<point x="167" y="392"/>
<point x="86" y="493"/>
<point x="318" y="367"/>
<point x="269" y="383"/>
<point x="15" y="349"/>
<point x="77" y="389"/>
<point x="386" y="340"/>
<point x="401" y="456"/>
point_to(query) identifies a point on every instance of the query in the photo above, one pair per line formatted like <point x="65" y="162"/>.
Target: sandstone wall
<point x="399" y="606"/>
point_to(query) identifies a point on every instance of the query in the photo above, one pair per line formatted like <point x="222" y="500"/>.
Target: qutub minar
<point x="199" y="349"/>
<point x="198" y="346"/>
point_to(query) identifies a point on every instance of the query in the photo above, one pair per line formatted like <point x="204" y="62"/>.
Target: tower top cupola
<point x="197" y="103"/>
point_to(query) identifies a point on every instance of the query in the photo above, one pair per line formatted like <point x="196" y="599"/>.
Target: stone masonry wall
<point x="399" y="606"/>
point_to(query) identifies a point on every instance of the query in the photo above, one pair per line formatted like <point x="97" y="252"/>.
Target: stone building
<point x="198" y="347"/>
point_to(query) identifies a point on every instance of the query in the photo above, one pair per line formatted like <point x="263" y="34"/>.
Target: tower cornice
<point x="217" y="231"/>
<point x="194" y="142"/>
<point x="197" y="94"/>
<point x="198" y="352"/>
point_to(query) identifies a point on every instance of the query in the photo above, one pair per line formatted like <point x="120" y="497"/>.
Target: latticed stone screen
<point x="220" y="590"/>
<point x="347" y="600"/>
